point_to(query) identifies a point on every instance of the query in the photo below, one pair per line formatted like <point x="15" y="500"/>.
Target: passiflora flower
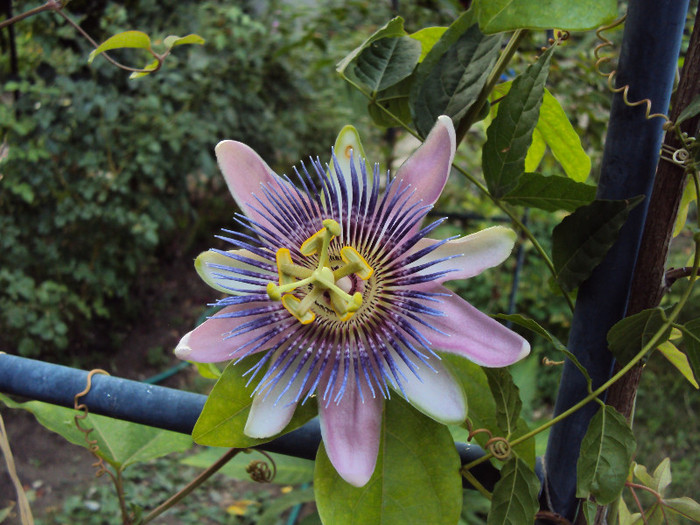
<point x="336" y="282"/>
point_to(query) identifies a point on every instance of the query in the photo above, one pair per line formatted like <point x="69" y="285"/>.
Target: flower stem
<point x="175" y="498"/>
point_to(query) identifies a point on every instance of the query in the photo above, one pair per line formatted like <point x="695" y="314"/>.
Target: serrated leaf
<point x="685" y="506"/>
<point x="450" y="78"/>
<point x="550" y="193"/>
<point x="416" y="480"/>
<point x="535" y="327"/>
<point x="173" y="40"/>
<point x="120" y="443"/>
<point x="689" y="195"/>
<point x="691" y="340"/>
<point x="290" y="470"/>
<point x="127" y="39"/>
<point x="510" y="134"/>
<point x="507" y="398"/>
<point x="679" y="360"/>
<point x="386" y="62"/>
<point x="628" y="336"/>
<point x="428" y="37"/>
<point x="514" y="499"/>
<point x="226" y="410"/>
<point x="689" y="111"/>
<point x="506" y="15"/>
<point x="562" y="139"/>
<point x="606" y="454"/>
<point x="581" y="240"/>
<point x="392" y="28"/>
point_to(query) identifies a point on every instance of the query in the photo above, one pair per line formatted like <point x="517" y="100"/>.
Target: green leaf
<point x="535" y="152"/>
<point x="148" y="69"/>
<point x="661" y="479"/>
<point x="550" y="193"/>
<point x="225" y="413"/>
<point x="581" y="240"/>
<point x="562" y="139"/>
<point x="173" y="40"/>
<point x="689" y="111"/>
<point x="515" y="495"/>
<point x="691" y="340"/>
<point x="207" y="370"/>
<point x="507" y="397"/>
<point x="416" y="480"/>
<point x="290" y="470"/>
<point x="428" y="37"/>
<point x="450" y="78"/>
<point x="510" y="134"/>
<point x="628" y="336"/>
<point x="120" y="443"/>
<point x="679" y="360"/>
<point x="280" y="504"/>
<point x="606" y="454"/>
<point x="685" y="506"/>
<point x="482" y="406"/>
<point x="395" y="100"/>
<point x="386" y="62"/>
<point x="506" y="15"/>
<point x="392" y="28"/>
<point x="127" y="39"/>
<point x="535" y="327"/>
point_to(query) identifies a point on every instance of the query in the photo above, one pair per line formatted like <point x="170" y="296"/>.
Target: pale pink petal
<point x="208" y="343"/>
<point x="437" y="393"/>
<point x="208" y="266"/>
<point x="244" y="171"/>
<point x="350" y="430"/>
<point x="270" y="412"/>
<point x="470" y="255"/>
<point x="472" y="334"/>
<point x="426" y="170"/>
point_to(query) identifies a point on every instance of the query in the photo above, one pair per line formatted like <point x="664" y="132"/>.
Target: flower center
<point x="322" y="281"/>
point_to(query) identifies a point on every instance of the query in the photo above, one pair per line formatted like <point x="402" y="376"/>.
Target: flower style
<point x="341" y="290"/>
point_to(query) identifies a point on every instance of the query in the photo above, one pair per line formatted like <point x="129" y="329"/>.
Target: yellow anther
<point x="354" y="263"/>
<point x="293" y="306"/>
<point x="323" y="280"/>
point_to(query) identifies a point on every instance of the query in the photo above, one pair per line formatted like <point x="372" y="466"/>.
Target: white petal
<point x="225" y="280"/>
<point x="470" y="255"/>
<point x="437" y="393"/>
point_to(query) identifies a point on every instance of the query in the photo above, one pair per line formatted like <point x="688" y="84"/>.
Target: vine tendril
<point x="93" y="447"/>
<point x="498" y="446"/>
<point x="260" y="471"/>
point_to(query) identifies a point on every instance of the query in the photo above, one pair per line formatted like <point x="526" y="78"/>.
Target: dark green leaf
<point x="225" y="413"/>
<point x="689" y="111"/>
<point x="506" y="15"/>
<point x="507" y="397"/>
<point x="629" y="335"/>
<point x="386" y="62"/>
<point x="510" y="134"/>
<point x="606" y="454"/>
<point x="550" y="193"/>
<point x="290" y="470"/>
<point x="691" y="339"/>
<point x="395" y="100"/>
<point x="127" y="39"/>
<point x="120" y="443"/>
<point x="451" y="76"/>
<point x="581" y="240"/>
<point x="515" y="495"/>
<point x="416" y="480"/>
<point x="428" y="37"/>
<point x="393" y="28"/>
<point x="534" y="326"/>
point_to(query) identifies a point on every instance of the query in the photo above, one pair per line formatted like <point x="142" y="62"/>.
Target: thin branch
<point x="51" y="5"/>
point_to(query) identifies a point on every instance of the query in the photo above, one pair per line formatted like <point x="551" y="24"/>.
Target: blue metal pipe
<point x="647" y="63"/>
<point x="161" y="407"/>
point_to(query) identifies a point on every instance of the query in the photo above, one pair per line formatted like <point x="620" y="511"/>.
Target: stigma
<point x="301" y="288"/>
